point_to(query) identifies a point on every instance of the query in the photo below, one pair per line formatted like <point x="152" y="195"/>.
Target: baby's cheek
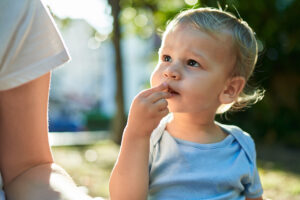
<point x="154" y="80"/>
<point x="195" y="92"/>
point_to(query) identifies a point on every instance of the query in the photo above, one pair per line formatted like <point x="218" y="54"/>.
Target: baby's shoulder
<point x="243" y="138"/>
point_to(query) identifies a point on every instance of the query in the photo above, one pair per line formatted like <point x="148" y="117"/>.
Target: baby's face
<point x="196" y="65"/>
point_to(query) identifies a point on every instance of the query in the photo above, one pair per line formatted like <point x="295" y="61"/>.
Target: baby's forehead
<point x="186" y="31"/>
<point x="217" y="33"/>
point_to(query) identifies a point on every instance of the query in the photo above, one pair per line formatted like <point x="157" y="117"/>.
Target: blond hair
<point x="215" y="21"/>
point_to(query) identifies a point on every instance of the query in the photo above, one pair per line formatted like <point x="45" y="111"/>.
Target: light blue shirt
<point x="182" y="170"/>
<point x="2" y="196"/>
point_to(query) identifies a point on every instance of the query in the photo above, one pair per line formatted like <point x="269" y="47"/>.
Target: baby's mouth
<point x="173" y="92"/>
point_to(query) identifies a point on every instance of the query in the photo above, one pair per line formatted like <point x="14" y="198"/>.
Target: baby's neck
<point x="194" y="128"/>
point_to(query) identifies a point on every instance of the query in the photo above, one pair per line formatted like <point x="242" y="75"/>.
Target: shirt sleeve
<point x="2" y="195"/>
<point x="156" y="136"/>
<point x="253" y="187"/>
<point x="31" y="44"/>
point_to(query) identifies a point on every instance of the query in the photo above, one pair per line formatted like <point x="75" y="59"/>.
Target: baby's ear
<point x="232" y="89"/>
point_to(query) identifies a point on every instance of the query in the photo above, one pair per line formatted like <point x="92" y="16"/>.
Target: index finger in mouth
<point x="159" y="95"/>
<point x="161" y="87"/>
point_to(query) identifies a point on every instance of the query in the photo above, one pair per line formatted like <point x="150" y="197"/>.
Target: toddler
<point x="172" y="147"/>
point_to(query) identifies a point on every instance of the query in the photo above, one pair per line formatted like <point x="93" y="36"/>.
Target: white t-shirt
<point x="30" y="44"/>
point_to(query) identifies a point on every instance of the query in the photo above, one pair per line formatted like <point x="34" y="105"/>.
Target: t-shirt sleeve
<point x="2" y="195"/>
<point x="155" y="137"/>
<point x="31" y="44"/>
<point x="253" y="187"/>
<point x="153" y="141"/>
<point x="150" y="156"/>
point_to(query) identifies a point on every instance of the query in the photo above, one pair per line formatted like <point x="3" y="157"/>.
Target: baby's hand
<point x="147" y="109"/>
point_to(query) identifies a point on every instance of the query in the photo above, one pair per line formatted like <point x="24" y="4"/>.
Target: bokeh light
<point x="129" y="13"/>
<point x="91" y="155"/>
<point x="93" y="43"/>
<point x="191" y="2"/>
<point x="141" y="20"/>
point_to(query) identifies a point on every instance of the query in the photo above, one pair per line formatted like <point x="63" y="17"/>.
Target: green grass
<point x="90" y="167"/>
<point x="279" y="184"/>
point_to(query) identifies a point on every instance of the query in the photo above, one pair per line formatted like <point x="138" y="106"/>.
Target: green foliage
<point x="275" y="119"/>
<point x="157" y="14"/>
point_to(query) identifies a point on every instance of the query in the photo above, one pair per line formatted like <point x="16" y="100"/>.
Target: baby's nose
<point x="171" y="74"/>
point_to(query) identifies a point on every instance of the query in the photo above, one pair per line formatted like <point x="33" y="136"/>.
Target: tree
<point x="119" y="120"/>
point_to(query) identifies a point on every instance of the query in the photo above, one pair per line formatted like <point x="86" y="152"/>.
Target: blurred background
<point x="113" y="45"/>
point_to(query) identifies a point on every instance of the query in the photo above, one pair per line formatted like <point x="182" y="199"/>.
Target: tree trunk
<point x="119" y="120"/>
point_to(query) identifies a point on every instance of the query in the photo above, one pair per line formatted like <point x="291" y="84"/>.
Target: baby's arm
<point x="130" y="177"/>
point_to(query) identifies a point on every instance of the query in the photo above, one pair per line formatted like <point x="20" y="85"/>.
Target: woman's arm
<point x="45" y="181"/>
<point x="24" y="128"/>
<point x="26" y="162"/>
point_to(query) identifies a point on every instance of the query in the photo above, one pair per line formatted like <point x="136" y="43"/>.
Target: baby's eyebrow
<point x="163" y="49"/>
<point x="203" y="58"/>
<point x="196" y="53"/>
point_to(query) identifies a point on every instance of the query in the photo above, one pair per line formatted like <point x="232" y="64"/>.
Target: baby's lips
<point x="167" y="90"/>
<point x="169" y="95"/>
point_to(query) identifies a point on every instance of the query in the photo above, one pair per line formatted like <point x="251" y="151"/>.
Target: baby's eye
<point x="193" y="63"/>
<point x="167" y="58"/>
